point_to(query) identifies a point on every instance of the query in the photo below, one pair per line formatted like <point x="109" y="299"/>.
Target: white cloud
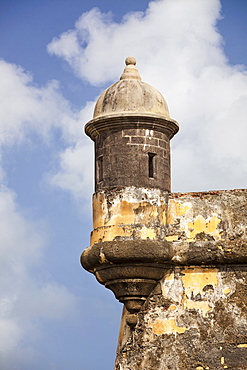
<point x="24" y="300"/>
<point x="97" y="46"/>
<point x="74" y="163"/>
<point x="75" y="172"/>
<point x="27" y="109"/>
<point x="29" y="299"/>
<point x="24" y="106"/>
<point x="179" y="51"/>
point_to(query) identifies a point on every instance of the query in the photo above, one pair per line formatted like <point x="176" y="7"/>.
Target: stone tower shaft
<point x="131" y="129"/>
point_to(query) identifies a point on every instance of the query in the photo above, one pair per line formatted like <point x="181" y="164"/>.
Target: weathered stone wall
<point x="129" y="214"/>
<point x="124" y="157"/>
<point x="196" y="318"/>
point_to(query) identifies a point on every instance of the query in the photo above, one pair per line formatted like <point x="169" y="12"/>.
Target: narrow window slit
<point x="100" y="168"/>
<point x="151" y="164"/>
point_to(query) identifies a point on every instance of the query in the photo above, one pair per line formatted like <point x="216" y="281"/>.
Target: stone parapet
<point x="196" y="317"/>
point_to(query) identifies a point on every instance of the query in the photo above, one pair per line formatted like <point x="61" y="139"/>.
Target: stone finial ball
<point x="130" y="60"/>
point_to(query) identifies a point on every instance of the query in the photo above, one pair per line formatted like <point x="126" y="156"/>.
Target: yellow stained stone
<point x="166" y="326"/>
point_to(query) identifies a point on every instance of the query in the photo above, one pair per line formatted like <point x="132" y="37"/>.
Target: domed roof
<point x="131" y="96"/>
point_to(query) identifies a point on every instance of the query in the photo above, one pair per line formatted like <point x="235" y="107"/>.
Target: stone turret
<point x="131" y="129"/>
<point x="178" y="261"/>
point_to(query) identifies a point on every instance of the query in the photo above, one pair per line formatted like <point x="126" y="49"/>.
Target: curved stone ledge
<point x="128" y="121"/>
<point x="208" y="253"/>
<point x="130" y="268"/>
<point x="129" y="271"/>
<point x="163" y="252"/>
<point x="125" y="251"/>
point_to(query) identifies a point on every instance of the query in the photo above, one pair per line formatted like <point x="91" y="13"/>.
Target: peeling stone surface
<point x="200" y="227"/>
<point x="196" y="318"/>
<point x="208" y="227"/>
<point x="129" y="213"/>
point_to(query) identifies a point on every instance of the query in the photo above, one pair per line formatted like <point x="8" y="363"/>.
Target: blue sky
<point x="56" y="58"/>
